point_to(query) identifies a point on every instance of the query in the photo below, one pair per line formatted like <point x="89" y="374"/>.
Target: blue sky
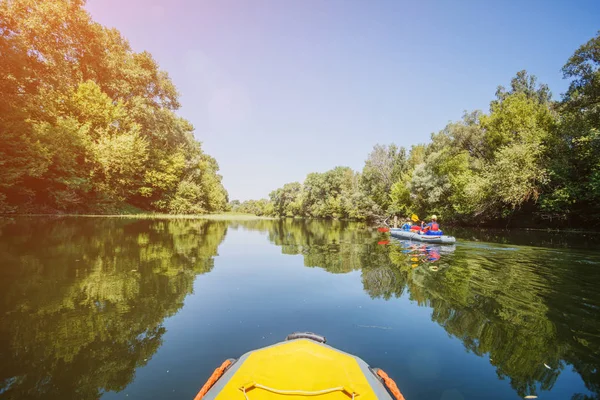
<point x="280" y="88"/>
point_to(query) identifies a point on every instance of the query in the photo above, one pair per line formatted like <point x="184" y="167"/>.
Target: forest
<point x="529" y="160"/>
<point x="87" y="125"/>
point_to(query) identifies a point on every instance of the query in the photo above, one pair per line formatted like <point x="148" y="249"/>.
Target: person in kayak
<point x="433" y="226"/>
<point x="407" y="225"/>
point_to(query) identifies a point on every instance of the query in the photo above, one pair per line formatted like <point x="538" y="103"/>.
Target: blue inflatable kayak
<point x="411" y="235"/>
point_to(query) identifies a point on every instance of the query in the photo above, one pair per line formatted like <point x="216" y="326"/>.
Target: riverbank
<point x="214" y="217"/>
<point x="492" y="226"/>
<point x="237" y="216"/>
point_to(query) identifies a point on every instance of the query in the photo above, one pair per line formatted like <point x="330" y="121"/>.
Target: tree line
<point x="89" y="125"/>
<point x="529" y="158"/>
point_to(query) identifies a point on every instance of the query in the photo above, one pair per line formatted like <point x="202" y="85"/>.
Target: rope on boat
<point x="391" y="385"/>
<point x="217" y="373"/>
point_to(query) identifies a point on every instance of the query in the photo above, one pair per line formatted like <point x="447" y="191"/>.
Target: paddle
<point x="415" y="218"/>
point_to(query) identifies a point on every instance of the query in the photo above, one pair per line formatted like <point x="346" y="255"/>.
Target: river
<point x="123" y="308"/>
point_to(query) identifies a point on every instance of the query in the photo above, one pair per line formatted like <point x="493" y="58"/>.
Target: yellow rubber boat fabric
<point x="295" y="370"/>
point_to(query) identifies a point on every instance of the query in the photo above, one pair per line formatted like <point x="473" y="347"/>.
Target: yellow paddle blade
<point x="415" y="265"/>
<point x="414" y="217"/>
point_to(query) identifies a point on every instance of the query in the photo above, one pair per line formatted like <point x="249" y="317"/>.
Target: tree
<point x="528" y="155"/>
<point x="527" y="85"/>
<point x="574" y="186"/>
<point x="89" y="125"/>
<point x="516" y="119"/>
<point x="283" y="198"/>
<point x="517" y="176"/>
<point x="383" y="167"/>
<point x="583" y="95"/>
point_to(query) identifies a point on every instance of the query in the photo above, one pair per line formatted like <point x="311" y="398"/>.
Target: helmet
<point x="434" y="217"/>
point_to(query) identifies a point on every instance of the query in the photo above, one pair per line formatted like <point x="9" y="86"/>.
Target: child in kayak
<point x="407" y="225"/>
<point x="432" y="228"/>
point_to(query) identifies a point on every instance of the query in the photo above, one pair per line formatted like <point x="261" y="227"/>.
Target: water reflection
<point x="426" y="253"/>
<point x="83" y="301"/>
<point x="533" y="311"/>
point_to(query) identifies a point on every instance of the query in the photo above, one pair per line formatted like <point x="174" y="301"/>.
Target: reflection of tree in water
<point x="99" y="289"/>
<point x="520" y="314"/>
<point x="97" y="293"/>
<point x="337" y="246"/>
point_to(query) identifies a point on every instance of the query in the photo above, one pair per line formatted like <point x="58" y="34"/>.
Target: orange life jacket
<point x="435" y="226"/>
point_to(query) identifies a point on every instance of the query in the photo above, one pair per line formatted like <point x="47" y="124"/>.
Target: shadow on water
<point x="82" y="301"/>
<point x="524" y="237"/>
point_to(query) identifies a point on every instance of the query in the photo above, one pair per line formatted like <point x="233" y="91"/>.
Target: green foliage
<point x="527" y="85"/>
<point x="384" y="166"/>
<point x="573" y="188"/>
<point x="527" y="153"/>
<point x="583" y="95"/>
<point x="283" y="199"/>
<point x="516" y="119"/>
<point x="489" y="166"/>
<point x="87" y="124"/>
<point x="262" y="207"/>
<point x="334" y="194"/>
<point x="517" y="175"/>
<point x="187" y="199"/>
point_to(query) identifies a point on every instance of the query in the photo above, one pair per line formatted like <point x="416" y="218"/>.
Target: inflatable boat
<point x="428" y="238"/>
<point x="299" y="368"/>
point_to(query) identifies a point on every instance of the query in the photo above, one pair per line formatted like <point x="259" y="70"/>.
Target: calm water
<point x="145" y="309"/>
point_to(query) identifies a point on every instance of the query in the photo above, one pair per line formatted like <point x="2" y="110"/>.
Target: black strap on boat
<point x="306" y="335"/>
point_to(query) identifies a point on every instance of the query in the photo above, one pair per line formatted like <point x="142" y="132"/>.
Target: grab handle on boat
<point x="217" y="373"/>
<point x="306" y="335"/>
<point x="253" y="385"/>
<point x="389" y="383"/>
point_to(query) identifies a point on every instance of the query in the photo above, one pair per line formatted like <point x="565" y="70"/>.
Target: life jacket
<point x="435" y="226"/>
